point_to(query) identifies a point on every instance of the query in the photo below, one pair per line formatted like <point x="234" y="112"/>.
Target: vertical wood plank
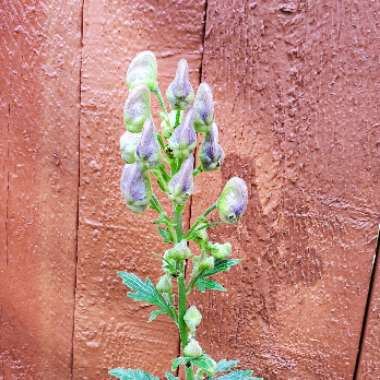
<point x="296" y="85"/>
<point x="39" y="63"/>
<point x="110" y="329"/>
<point x="369" y="364"/>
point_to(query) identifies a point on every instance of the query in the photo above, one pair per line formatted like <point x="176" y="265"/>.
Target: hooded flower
<point x="180" y="93"/>
<point x="233" y="200"/>
<point x="137" y="108"/>
<point x="181" y="185"/>
<point x="212" y="154"/>
<point x="143" y="70"/>
<point x="203" y="108"/>
<point x="135" y="187"/>
<point x="148" y="150"/>
<point x="183" y="140"/>
<point x="128" y="145"/>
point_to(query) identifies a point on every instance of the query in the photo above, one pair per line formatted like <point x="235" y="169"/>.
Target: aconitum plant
<point x="167" y="157"/>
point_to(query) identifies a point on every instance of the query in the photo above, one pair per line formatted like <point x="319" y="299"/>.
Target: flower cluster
<point x="168" y="157"/>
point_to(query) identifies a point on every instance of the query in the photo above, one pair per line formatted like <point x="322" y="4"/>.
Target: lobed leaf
<point x="203" y="284"/>
<point x="132" y="374"/>
<point x="170" y="376"/>
<point x="225" y="365"/>
<point x="145" y="292"/>
<point x="238" y="375"/>
<point x="221" y="266"/>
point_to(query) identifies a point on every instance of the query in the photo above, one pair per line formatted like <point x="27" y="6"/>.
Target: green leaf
<point x="225" y="365"/>
<point x="203" y="284"/>
<point x="181" y="360"/>
<point x="238" y="375"/>
<point x="164" y="234"/>
<point x="170" y="376"/>
<point x="204" y="362"/>
<point x="144" y="291"/>
<point x="132" y="374"/>
<point x="221" y="266"/>
<point x="154" y="314"/>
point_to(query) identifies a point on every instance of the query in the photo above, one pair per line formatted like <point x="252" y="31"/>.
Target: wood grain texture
<point x="296" y="87"/>
<point x="110" y="329"/>
<point x="39" y="71"/>
<point x="369" y="365"/>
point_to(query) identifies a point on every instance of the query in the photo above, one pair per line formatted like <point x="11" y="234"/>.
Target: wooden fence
<point x="297" y="98"/>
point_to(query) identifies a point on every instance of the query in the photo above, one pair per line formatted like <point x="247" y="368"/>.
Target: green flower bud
<point x="211" y="154"/>
<point x="203" y="108"/>
<point x="135" y="187"/>
<point x="167" y="125"/>
<point x="193" y="349"/>
<point x="206" y="263"/>
<point x="165" y="284"/>
<point x="201" y="234"/>
<point x="180" y="251"/>
<point x="169" y="265"/>
<point x="143" y="70"/>
<point x="233" y="200"/>
<point x="181" y="185"/>
<point x="192" y="318"/>
<point x="128" y="145"/>
<point x="220" y="251"/>
<point x="137" y="109"/>
<point x="148" y="150"/>
<point x="183" y="140"/>
<point x="180" y="93"/>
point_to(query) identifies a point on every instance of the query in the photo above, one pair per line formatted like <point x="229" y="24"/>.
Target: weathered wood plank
<point x="111" y="330"/>
<point x="39" y="63"/>
<point x="369" y="364"/>
<point x="296" y="86"/>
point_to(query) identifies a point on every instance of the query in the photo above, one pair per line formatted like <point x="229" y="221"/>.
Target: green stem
<point x="182" y="303"/>
<point x="201" y="219"/>
<point x="158" y="94"/>
<point x="177" y="116"/>
<point x="189" y="373"/>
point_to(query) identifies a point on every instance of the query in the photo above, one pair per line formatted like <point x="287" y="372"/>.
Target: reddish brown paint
<point x="296" y="85"/>
<point x="110" y="329"/>
<point x="369" y="368"/>
<point x="39" y="63"/>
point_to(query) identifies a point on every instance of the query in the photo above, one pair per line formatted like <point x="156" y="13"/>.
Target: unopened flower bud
<point x="181" y="185"/>
<point x="169" y="265"/>
<point x="192" y="318"/>
<point x="135" y="187"/>
<point x="212" y="154"/>
<point x="183" y="140"/>
<point x="137" y="108"/>
<point x="220" y="251"/>
<point x="201" y="234"/>
<point x="193" y="349"/>
<point x="233" y="200"/>
<point x="167" y="124"/>
<point x="203" y="108"/>
<point x="180" y="93"/>
<point x="165" y="284"/>
<point x="128" y="145"/>
<point x="143" y="70"/>
<point x="180" y="251"/>
<point x="148" y="150"/>
<point x="206" y="263"/>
